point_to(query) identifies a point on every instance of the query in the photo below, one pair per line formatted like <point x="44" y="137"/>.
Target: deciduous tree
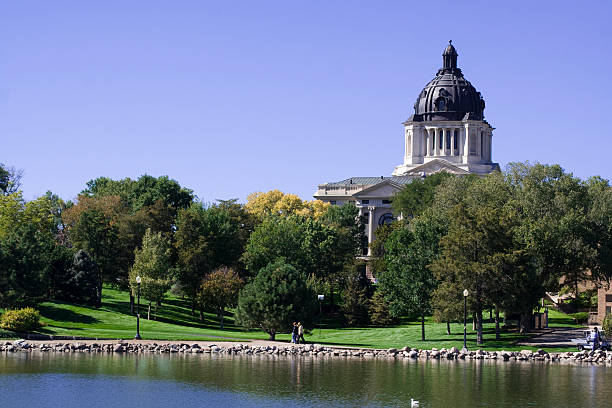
<point x="220" y="290"/>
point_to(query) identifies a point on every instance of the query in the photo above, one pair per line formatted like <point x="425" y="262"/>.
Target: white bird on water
<point x="414" y="403"/>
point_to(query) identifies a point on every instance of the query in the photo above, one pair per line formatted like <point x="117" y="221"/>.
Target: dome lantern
<point x="449" y="56"/>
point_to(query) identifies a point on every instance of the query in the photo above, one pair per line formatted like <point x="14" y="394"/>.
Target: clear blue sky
<point x="229" y="98"/>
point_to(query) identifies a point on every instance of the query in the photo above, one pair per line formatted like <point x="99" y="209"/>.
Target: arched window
<point x="386" y="218"/>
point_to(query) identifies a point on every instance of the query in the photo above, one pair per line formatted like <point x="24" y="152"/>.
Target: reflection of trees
<point x="341" y="381"/>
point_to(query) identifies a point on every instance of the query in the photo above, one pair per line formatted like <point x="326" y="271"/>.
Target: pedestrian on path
<point x="294" y="333"/>
<point x="301" y="333"/>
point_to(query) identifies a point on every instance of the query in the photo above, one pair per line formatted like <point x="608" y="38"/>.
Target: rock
<point x="118" y="348"/>
<point x="392" y="351"/>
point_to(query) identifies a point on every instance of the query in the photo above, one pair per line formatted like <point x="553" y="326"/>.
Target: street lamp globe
<point x="465" y="292"/>
<point x="138" y="279"/>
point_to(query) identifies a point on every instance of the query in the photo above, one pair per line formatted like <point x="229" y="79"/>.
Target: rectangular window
<point x="366" y="218"/>
<point x="440" y="139"/>
<point x="608" y="310"/>
<point x="448" y="141"/>
<point x="365" y="201"/>
<point x="386" y="201"/>
<point x="456" y="137"/>
<point x="608" y="298"/>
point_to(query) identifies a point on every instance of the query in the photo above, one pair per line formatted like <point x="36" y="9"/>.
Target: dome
<point x="449" y="96"/>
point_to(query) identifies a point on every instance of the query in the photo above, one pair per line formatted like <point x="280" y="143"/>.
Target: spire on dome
<point x="449" y="57"/>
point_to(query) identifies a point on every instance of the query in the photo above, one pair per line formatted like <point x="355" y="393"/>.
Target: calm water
<point x="108" y="380"/>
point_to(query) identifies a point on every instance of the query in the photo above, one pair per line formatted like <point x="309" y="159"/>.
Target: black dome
<point x="449" y="96"/>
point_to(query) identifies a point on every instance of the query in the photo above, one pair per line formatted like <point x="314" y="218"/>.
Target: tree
<point x="417" y="196"/>
<point x="10" y="179"/>
<point x="275" y="202"/>
<point x="408" y="282"/>
<point x="379" y="310"/>
<point x="94" y="233"/>
<point x="277" y="296"/>
<point x="355" y="303"/>
<point x="24" y="262"/>
<point x="220" y="290"/>
<point x="145" y="191"/>
<point x="277" y="238"/>
<point x="205" y="239"/>
<point x="152" y="264"/>
<point x="553" y="207"/>
<point x="14" y="210"/>
<point x="83" y="283"/>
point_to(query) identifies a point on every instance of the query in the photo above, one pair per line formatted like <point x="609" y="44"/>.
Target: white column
<point x="466" y="144"/>
<point x="437" y="142"/>
<point x="452" y="147"/>
<point x="370" y="228"/>
<point x="444" y="150"/>
<point x="428" y="140"/>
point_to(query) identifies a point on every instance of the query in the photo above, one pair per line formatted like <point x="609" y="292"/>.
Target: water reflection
<point x="53" y="379"/>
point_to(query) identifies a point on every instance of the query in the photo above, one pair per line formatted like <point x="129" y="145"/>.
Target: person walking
<point x="301" y="333"/>
<point x="294" y="333"/>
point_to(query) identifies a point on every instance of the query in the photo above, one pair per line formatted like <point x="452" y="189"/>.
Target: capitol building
<point x="447" y="132"/>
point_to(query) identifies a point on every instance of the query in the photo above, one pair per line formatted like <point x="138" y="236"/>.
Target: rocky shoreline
<point x="308" y="350"/>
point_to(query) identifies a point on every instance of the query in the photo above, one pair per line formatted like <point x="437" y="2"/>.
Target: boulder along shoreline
<point x="307" y="350"/>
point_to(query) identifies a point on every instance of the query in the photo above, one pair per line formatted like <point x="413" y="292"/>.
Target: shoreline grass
<point x="175" y="322"/>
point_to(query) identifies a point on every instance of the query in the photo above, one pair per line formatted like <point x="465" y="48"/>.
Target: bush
<point x="20" y="320"/>
<point x="606" y="325"/>
<point x="580" y="317"/>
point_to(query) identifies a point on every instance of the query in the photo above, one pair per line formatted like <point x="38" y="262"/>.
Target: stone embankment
<point x="311" y="350"/>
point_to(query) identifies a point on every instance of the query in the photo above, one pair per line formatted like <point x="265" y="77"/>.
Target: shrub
<point x="606" y="325"/>
<point x="20" y="320"/>
<point x="580" y="317"/>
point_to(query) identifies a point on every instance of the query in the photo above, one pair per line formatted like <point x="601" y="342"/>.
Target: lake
<point x="202" y="380"/>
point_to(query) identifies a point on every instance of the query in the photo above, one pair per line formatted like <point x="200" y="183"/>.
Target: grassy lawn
<point x="175" y="322"/>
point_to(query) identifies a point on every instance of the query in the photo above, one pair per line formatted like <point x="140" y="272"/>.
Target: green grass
<point x="560" y="319"/>
<point x="175" y="322"/>
<point x="113" y="320"/>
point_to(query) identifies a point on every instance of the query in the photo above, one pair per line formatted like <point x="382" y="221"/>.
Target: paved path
<point x="554" y="337"/>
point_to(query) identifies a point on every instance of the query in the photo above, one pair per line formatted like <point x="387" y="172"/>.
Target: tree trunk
<point x="221" y="316"/>
<point x="448" y="328"/>
<point x="149" y="312"/>
<point x="201" y="315"/>
<point x="496" y="323"/>
<point x="479" y="327"/>
<point x="490" y="314"/>
<point x="473" y="322"/>
<point x="193" y="308"/>
<point x="131" y="302"/>
<point x="423" y="326"/>
<point x="99" y="300"/>
<point x="272" y="334"/>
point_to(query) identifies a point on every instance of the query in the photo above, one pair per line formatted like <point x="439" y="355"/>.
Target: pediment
<point x="436" y="166"/>
<point x="383" y="189"/>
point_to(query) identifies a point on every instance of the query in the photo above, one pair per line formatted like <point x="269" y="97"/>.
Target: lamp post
<point x="320" y="297"/>
<point x="138" y="280"/>
<point x="465" y="295"/>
